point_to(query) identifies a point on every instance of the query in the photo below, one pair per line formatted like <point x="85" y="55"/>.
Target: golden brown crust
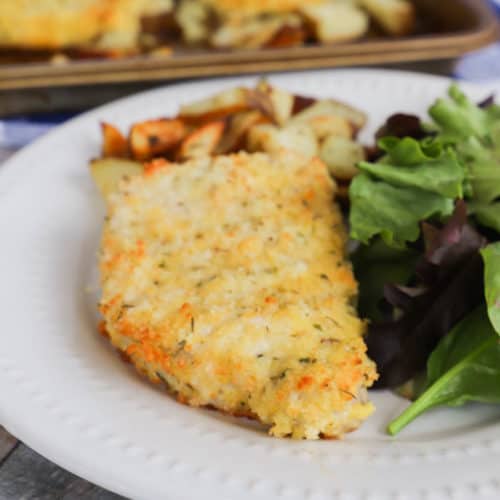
<point x="225" y="278"/>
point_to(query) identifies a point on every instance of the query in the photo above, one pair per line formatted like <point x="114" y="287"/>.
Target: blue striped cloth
<point x="482" y="65"/>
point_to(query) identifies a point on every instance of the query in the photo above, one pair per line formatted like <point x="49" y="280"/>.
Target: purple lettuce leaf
<point x="447" y="285"/>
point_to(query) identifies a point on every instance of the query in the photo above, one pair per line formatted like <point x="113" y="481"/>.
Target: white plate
<point x="67" y="394"/>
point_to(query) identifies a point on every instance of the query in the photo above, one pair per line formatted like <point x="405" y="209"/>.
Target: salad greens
<point x="412" y="182"/>
<point x="376" y="265"/>
<point x="491" y="256"/>
<point x="412" y="164"/>
<point x="446" y="277"/>
<point x="474" y="132"/>
<point x="426" y="211"/>
<point x="487" y="215"/>
<point x="459" y="118"/>
<point x="464" y="367"/>
<point x="379" y="208"/>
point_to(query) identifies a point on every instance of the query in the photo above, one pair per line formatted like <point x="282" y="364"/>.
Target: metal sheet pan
<point x="447" y="29"/>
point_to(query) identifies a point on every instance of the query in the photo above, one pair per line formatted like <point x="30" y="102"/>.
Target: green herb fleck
<point x="307" y="360"/>
<point x="162" y="378"/>
<point x="281" y="376"/>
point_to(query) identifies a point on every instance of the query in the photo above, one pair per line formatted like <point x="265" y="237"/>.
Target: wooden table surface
<point x="26" y="475"/>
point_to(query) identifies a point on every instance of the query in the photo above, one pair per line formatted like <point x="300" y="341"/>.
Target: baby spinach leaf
<point x="464" y="367"/>
<point x="491" y="257"/>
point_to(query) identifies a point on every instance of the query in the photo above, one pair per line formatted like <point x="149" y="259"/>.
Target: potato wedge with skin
<point x="281" y="101"/>
<point x="341" y="155"/>
<point x="108" y="172"/>
<point x="288" y="36"/>
<point x="270" y="139"/>
<point x="155" y="137"/>
<point x="217" y="107"/>
<point x="238" y="125"/>
<point x="114" y="143"/>
<point x="331" y="107"/>
<point x="335" y="22"/>
<point x="203" y="141"/>
<point x="192" y="16"/>
<point x="301" y="103"/>
<point x="247" y="33"/>
<point x="395" y="17"/>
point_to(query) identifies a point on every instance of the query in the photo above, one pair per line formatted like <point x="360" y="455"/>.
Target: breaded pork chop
<point x="226" y="278"/>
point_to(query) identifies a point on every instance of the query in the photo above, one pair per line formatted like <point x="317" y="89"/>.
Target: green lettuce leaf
<point x="441" y="174"/>
<point x="464" y="367"/>
<point x="491" y="257"/>
<point x="460" y="118"/>
<point x="483" y="164"/>
<point x="393" y="212"/>
<point x="474" y="132"/>
<point x="488" y="215"/>
<point x="408" y="151"/>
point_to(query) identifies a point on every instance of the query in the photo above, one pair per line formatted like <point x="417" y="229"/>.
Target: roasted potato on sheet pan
<point x="335" y="21"/>
<point x="395" y="17"/>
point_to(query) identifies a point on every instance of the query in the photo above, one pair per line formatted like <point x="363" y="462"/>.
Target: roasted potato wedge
<point x="217" y="107"/>
<point x="288" y="36"/>
<point x="155" y="137"/>
<point x="271" y="139"/>
<point x="301" y="103"/>
<point x="335" y="21"/>
<point x="114" y="142"/>
<point x="203" y="141"/>
<point x="234" y="138"/>
<point x="331" y="107"/>
<point x="108" y="172"/>
<point x="247" y="33"/>
<point x="192" y="17"/>
<point x="341" y="155"/>
<point x="281" y="102"/>
<point x="395" y="17"/>
<point x="325" y="125"/>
